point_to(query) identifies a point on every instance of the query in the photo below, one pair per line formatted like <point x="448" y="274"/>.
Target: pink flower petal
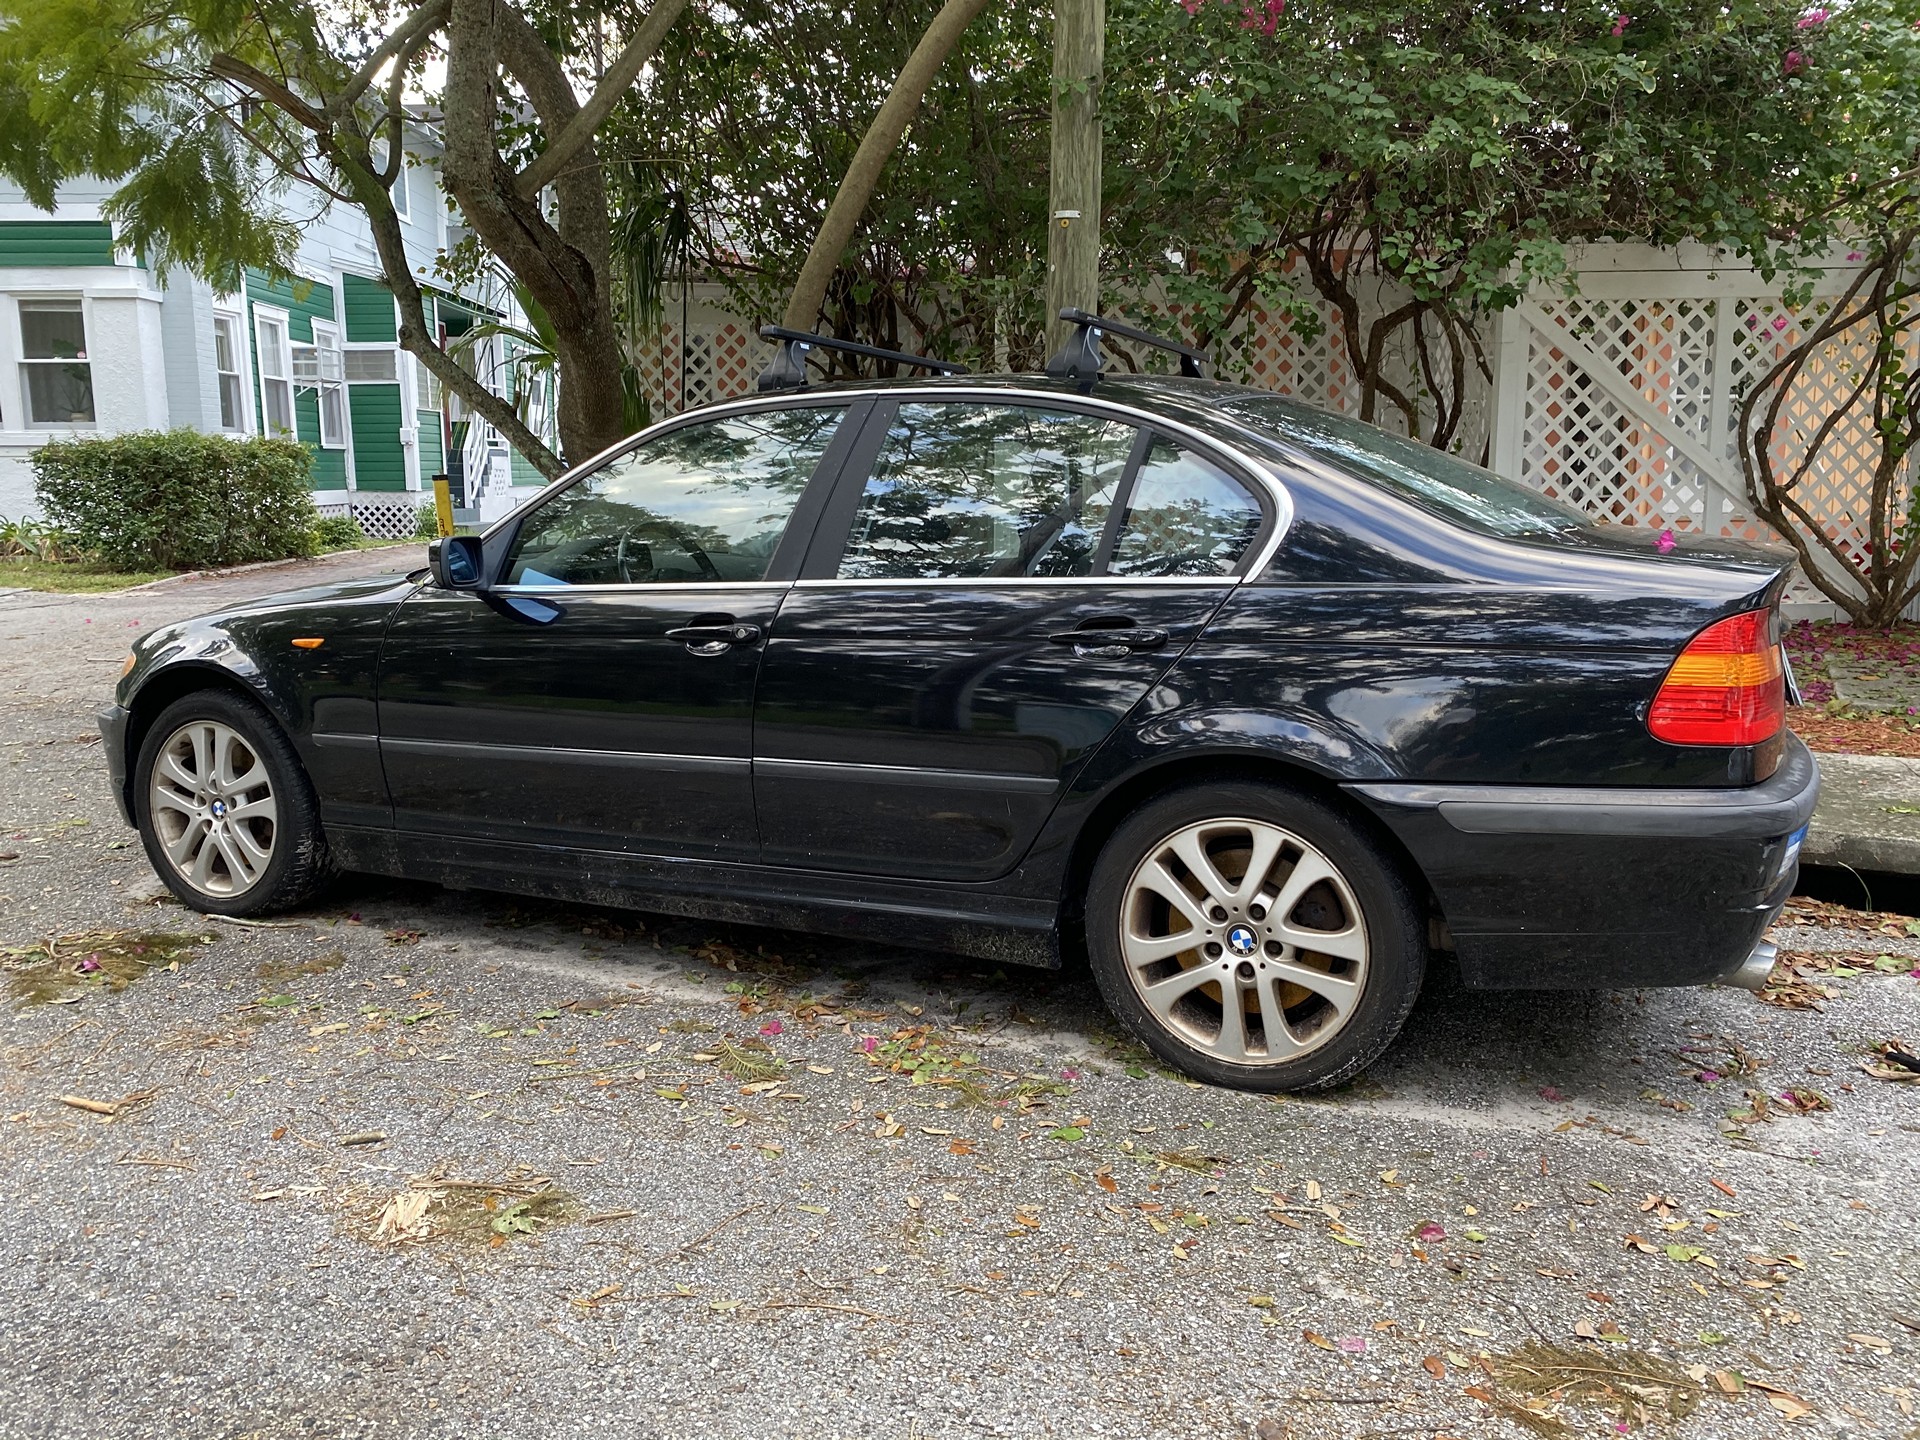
<point x="772" y="1027"/>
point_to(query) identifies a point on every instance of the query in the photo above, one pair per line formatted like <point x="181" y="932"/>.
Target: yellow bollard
<point x="443" y="504"/>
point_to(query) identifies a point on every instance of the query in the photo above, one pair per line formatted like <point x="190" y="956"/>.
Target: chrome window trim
<point x="641" y="587"/>
<point x="1021" y="582"/>
<point x="1262" y="472"/>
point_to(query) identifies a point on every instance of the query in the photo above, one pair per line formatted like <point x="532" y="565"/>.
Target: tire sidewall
<point x="1396" y="930"/>
<point x="293" y="821"/>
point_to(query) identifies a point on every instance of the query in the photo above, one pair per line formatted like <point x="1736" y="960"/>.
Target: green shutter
<point x="378" y="461"/>
<point x="55" y="242"/>
<point x="368" y="306"/>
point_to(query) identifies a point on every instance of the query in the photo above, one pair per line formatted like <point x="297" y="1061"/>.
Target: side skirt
<point x="988" y="926"/>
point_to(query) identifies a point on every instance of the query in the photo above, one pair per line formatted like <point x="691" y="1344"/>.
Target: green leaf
<point x="1068" y="1132"/>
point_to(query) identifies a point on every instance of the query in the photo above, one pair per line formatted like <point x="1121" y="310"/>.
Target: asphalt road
<point x="912" y="1196"/>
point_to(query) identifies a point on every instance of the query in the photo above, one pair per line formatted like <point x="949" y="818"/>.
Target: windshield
<point x="1442" y="483"/>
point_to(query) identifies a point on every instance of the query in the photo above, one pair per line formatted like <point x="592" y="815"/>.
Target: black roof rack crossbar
<point x="789" y="368"/>
<point x="1080" y="359"/>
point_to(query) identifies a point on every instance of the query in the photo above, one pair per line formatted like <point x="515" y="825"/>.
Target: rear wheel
<point x="1254" y="936"/>
<point x="225" y="811"/>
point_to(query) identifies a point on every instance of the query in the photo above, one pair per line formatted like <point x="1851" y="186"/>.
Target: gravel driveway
<point x="424" y="1162"/>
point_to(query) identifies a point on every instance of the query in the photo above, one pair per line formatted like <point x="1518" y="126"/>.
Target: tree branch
<point x="863" y="172"/>
<point x="414" y="27"/>
<point x="607" y="94"/>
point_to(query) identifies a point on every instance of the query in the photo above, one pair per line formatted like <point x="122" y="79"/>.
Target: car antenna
<point x="789" y="368"/>
<point x="1080" y="358"/>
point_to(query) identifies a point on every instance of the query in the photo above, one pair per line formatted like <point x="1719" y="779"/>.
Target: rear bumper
<point x="1555" y="887"/>
<point x="113" y="736"/>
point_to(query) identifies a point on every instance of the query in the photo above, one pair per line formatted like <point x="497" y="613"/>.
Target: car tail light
<point x="1727" y="687"/>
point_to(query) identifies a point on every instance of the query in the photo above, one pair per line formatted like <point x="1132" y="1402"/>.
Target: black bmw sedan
<point x="1257" y="706"/>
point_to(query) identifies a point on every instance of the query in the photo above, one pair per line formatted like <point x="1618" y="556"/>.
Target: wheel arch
<point x="173" y="683"/>
<point x="1143" y="785"/>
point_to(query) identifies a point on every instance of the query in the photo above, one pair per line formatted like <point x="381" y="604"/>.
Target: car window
<point x="1185" y="516"/>
<point x="964" y="491"/>
<point x="701" y="503"/>
<point x="1445" y="484"/>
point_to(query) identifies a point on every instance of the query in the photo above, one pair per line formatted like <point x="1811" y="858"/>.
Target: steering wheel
<point x="620" y="565"/>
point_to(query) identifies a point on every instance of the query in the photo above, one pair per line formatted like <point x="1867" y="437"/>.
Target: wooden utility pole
<point x="1073" y="228"/>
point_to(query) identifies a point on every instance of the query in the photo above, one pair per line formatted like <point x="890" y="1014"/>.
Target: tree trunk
<point x="863" y="173"/>
<point x="1073" y="225"/>
<point x="563" y="264"/>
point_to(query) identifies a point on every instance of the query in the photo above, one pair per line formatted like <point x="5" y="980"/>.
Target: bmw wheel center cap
<point x="218" y="809"/>
<point x="1242" y="941"/>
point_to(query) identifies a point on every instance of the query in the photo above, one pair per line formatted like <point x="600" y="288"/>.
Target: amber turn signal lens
<point x="308" y="642"/>
<point x="127" y="669"/>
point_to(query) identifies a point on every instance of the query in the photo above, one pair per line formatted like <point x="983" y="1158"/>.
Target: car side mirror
<point x="457" y="563"/>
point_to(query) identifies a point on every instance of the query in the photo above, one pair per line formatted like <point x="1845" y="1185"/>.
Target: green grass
<point x="71" y="577"/>
<point x="92" y="577"/>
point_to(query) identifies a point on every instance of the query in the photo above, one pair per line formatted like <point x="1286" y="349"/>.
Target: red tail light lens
<point x="1727" y="687"/>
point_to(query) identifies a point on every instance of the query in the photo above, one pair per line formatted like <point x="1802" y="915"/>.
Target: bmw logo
<point x="1242" y="941"/>
<point x="218" y="809"/>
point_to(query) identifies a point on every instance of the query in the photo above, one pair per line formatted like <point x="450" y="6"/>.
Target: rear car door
<point x="599" y="695"/>
<point x="993" y="585"/>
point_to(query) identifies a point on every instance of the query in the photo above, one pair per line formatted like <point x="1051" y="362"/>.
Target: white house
<point x="92" y="342"/>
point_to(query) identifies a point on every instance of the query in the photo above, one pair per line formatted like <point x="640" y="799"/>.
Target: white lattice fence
<point x="1624" y="400"/>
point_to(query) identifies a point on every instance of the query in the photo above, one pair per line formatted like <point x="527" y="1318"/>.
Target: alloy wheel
<point x="213" y="808"/>
<point x="1244" y="941"/>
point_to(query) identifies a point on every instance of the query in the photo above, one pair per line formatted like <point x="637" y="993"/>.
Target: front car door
<point x="599" y="695"/>
<point x="994" y="584"/>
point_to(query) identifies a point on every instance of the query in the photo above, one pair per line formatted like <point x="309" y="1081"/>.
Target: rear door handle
<point x="716" y="638"/>
<point x="1111" y="640"/>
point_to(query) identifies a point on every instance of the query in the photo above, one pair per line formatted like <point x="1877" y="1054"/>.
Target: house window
<point x="53" y="355"/>
<point x="276" y="373"/>
<point x="426" y="387"/>
<point x="227" y="353"/>
<point x="325" y="371"/>
<point x="401" y="200"/>
<point x="369" y="367"/>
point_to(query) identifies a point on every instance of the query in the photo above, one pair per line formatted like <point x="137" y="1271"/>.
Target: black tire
<point x="299" y="865"/>
<point x="1394" y="929"/>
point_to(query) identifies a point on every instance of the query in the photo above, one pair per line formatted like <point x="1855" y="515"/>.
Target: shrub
<point x="337" y="532"/>
<point x="177" y="499"/>
<point x="426" y="523"/>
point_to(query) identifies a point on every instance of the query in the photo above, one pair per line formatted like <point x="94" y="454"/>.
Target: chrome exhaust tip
<point x="1756" y="969"/>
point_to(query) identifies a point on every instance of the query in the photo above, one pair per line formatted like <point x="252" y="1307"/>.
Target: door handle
<point x="1111" y="639"/>
<point x="716" y="638"/>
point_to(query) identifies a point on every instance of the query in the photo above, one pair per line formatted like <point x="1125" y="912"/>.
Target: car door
<point x="993" y="585"/>
<point x="599" y="694"/>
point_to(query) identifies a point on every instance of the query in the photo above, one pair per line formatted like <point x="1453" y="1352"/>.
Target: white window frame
<point x="327" y="340"/>
<point x="264" y="316"/>
<point x="230" y="311"/>
<point x="22" y="303"/>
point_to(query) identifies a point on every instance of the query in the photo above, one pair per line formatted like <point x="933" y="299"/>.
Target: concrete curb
<point x="1862" y="819"/>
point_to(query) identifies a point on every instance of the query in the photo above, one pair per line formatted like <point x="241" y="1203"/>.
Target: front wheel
<point x="225" y="810"/>
<point x="1254" y="936"/>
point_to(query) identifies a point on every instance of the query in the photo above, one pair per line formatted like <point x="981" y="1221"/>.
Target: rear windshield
<point x="1432" y="479"/>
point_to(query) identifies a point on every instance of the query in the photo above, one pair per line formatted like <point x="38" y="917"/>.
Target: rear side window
<point x="1185" y="516"/>
<point x="701" y="503"/>
<point x="968" y="491"/>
